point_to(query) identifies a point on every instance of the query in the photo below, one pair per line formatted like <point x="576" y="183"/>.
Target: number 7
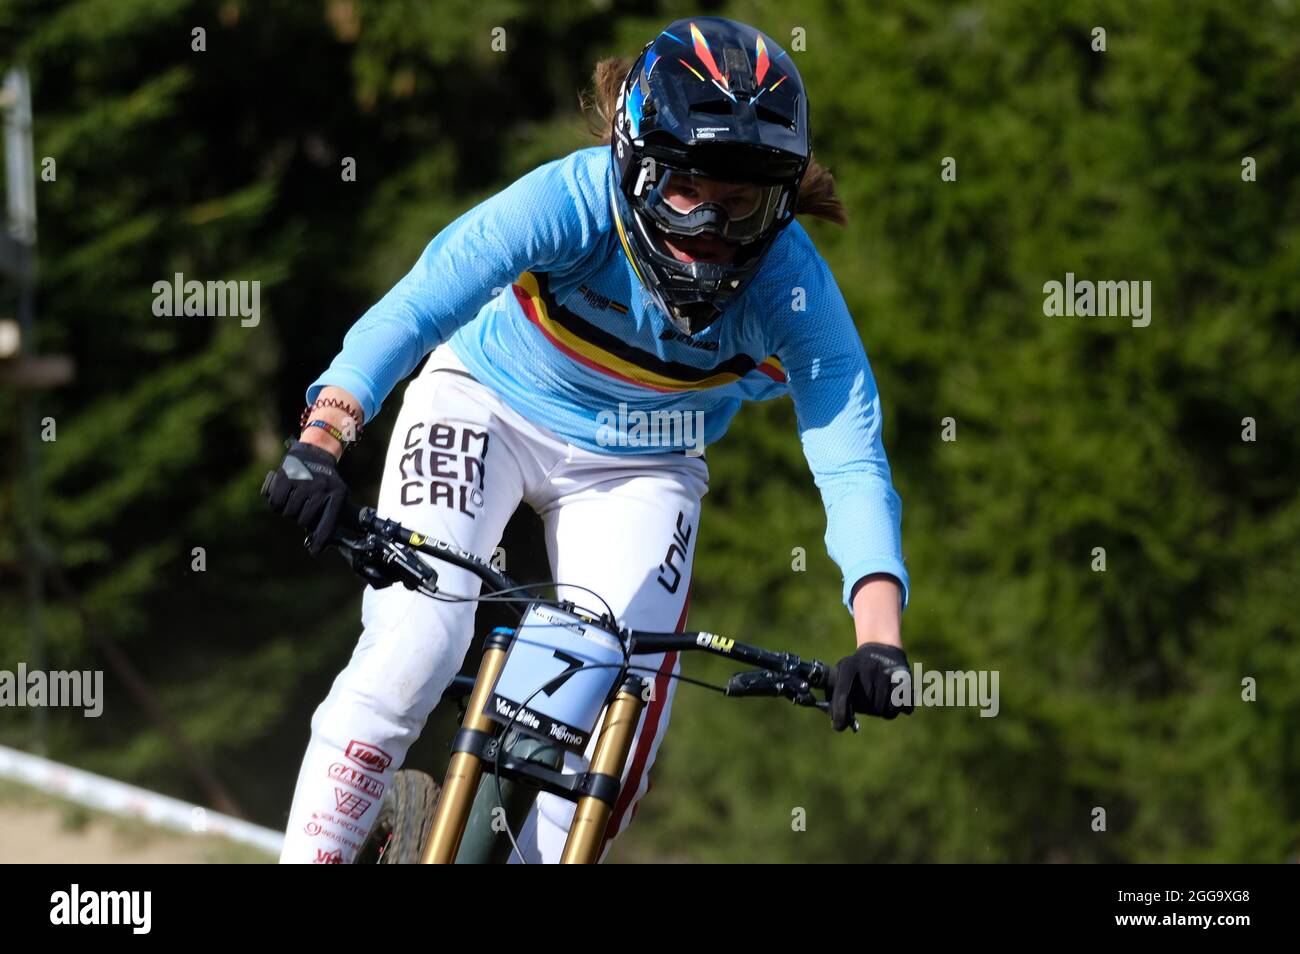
<point x="575" y="663"/>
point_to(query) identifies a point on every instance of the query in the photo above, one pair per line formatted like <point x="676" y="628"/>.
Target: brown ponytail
<point x="817" y="196"/>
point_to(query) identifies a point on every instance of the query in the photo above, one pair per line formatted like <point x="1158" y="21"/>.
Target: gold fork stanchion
<point x="612" y="747"/>
<point x="465" y="768"/>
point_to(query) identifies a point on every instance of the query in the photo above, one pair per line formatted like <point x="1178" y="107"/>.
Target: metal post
<point x="20" y="189"/>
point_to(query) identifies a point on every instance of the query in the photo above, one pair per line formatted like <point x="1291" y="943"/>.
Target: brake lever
<point x="823" y="677"/>
<point x="805" y="697"/>
<point x="826" y="707"/>
<point x="382" y="563"/>
<point x="414" y="573"/>
<point x="764" y="682"/>
<point x="361" y="556"/>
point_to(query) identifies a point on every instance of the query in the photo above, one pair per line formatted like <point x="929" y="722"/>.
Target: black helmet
<point x="714" y="98"/>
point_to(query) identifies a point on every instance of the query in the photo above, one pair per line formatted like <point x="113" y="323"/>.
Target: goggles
<point x="682" y="203"/>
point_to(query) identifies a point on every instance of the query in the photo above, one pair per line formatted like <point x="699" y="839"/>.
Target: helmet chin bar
<point x="709" y="277"/>
<point x="692" y="295"/>
<point x="662" y="237"/>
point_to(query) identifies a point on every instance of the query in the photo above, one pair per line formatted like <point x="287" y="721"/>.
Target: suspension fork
<point x="604" y="779"/>
<point x="599" y="786"/>
<point x="466" y="769"/>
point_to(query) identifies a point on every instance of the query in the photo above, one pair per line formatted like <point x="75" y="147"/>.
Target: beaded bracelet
<point x="341" y="405"/>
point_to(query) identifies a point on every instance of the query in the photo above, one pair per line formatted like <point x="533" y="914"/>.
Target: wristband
<point x="331" y="430"/>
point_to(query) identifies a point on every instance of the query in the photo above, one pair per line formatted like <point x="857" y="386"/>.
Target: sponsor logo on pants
<point x="353" y="778"/>
<point x="444" y="466"/>
<point x="368" y="756"/>
<point x="350" y="804"/>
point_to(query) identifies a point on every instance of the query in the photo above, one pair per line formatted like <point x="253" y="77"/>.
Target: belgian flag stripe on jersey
<point x="610" y="355"/>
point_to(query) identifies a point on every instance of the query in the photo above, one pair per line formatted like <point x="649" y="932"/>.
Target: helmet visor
<point x="683" y="203"/>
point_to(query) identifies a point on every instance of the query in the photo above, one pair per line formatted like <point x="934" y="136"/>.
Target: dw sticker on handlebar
<point x="556" y="678"/>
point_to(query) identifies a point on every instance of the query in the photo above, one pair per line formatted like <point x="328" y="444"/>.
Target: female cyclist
<point x="589" y="330"/>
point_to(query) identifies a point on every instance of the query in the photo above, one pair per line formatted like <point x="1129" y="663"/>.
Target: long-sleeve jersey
<point x="534" y="293"/>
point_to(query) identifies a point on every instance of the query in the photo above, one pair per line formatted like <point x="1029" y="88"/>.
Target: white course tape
<point x="107" y="795"/>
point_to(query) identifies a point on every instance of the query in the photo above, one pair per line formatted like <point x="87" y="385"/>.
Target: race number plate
<point x="556" y="678"/>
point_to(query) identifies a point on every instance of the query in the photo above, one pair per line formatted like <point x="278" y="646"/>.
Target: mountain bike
<point x="545" y="687"/>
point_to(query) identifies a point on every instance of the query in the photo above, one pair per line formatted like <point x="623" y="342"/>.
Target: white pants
<point x="459" y="463"/>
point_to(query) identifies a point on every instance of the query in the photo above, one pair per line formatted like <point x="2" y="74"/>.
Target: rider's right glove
<point x="871" y="681"/>
<point x="307" y="488"/>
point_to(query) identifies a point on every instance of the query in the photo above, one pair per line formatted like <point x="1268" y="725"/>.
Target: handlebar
<point x="383" y="552"/>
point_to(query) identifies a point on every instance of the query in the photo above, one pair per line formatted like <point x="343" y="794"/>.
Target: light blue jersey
<point x="537" y="298"/>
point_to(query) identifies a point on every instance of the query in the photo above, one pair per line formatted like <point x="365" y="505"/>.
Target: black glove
<point x="865" y="682"/>
<point x="307" y="488"/>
